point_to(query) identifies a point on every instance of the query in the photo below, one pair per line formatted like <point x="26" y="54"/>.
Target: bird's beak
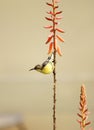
<point x="31" y="69"/>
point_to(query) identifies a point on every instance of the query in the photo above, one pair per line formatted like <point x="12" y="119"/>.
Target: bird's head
<point x="37" y="67"/>
<point x="51" y="58"/>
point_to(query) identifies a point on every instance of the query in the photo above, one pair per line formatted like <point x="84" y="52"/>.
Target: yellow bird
<point x="46" y="67"/>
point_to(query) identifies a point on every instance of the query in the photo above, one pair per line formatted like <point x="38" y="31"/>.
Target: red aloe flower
<point x="83" y="109"/>
<point x="54" y="30"/>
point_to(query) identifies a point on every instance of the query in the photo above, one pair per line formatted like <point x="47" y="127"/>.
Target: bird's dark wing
<point x="51" y="57"/>
<point x="44" y="64"/>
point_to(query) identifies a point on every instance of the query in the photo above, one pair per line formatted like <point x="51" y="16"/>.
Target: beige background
<point x="22" y="45"/>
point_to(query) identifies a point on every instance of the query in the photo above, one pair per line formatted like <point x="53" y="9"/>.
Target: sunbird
<point x="46" y="67"/>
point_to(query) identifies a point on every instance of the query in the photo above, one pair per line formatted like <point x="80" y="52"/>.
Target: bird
<point x="46" y="67"/>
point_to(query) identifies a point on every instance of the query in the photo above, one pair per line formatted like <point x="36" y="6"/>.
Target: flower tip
<point x="83" y="85"/>
<point x="60" y="54"/>
<point x="49" y="52"/>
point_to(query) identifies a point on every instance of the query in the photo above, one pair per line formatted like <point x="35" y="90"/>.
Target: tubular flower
<point x="53" y="18"/>
<point x="83" y="109"/>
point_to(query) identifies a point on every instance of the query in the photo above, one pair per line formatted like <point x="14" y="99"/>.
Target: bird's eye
<point x="37" y="67"/>
<point x="49" y="58"/>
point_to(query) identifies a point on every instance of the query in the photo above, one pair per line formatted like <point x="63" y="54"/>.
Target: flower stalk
<point x="53" y="46"/>
<point x="54" y="72"/>
<point x="83" y="109"/>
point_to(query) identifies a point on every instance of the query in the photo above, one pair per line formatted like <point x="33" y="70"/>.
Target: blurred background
<point x="22" y="46"/>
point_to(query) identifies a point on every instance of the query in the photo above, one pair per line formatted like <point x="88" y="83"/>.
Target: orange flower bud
<point x="59" y="51"/>
<point x="60" y="38"/>
<point x="50" y="48"/>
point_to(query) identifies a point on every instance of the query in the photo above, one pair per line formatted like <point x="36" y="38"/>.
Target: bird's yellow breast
<point x="47" y="69"/>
